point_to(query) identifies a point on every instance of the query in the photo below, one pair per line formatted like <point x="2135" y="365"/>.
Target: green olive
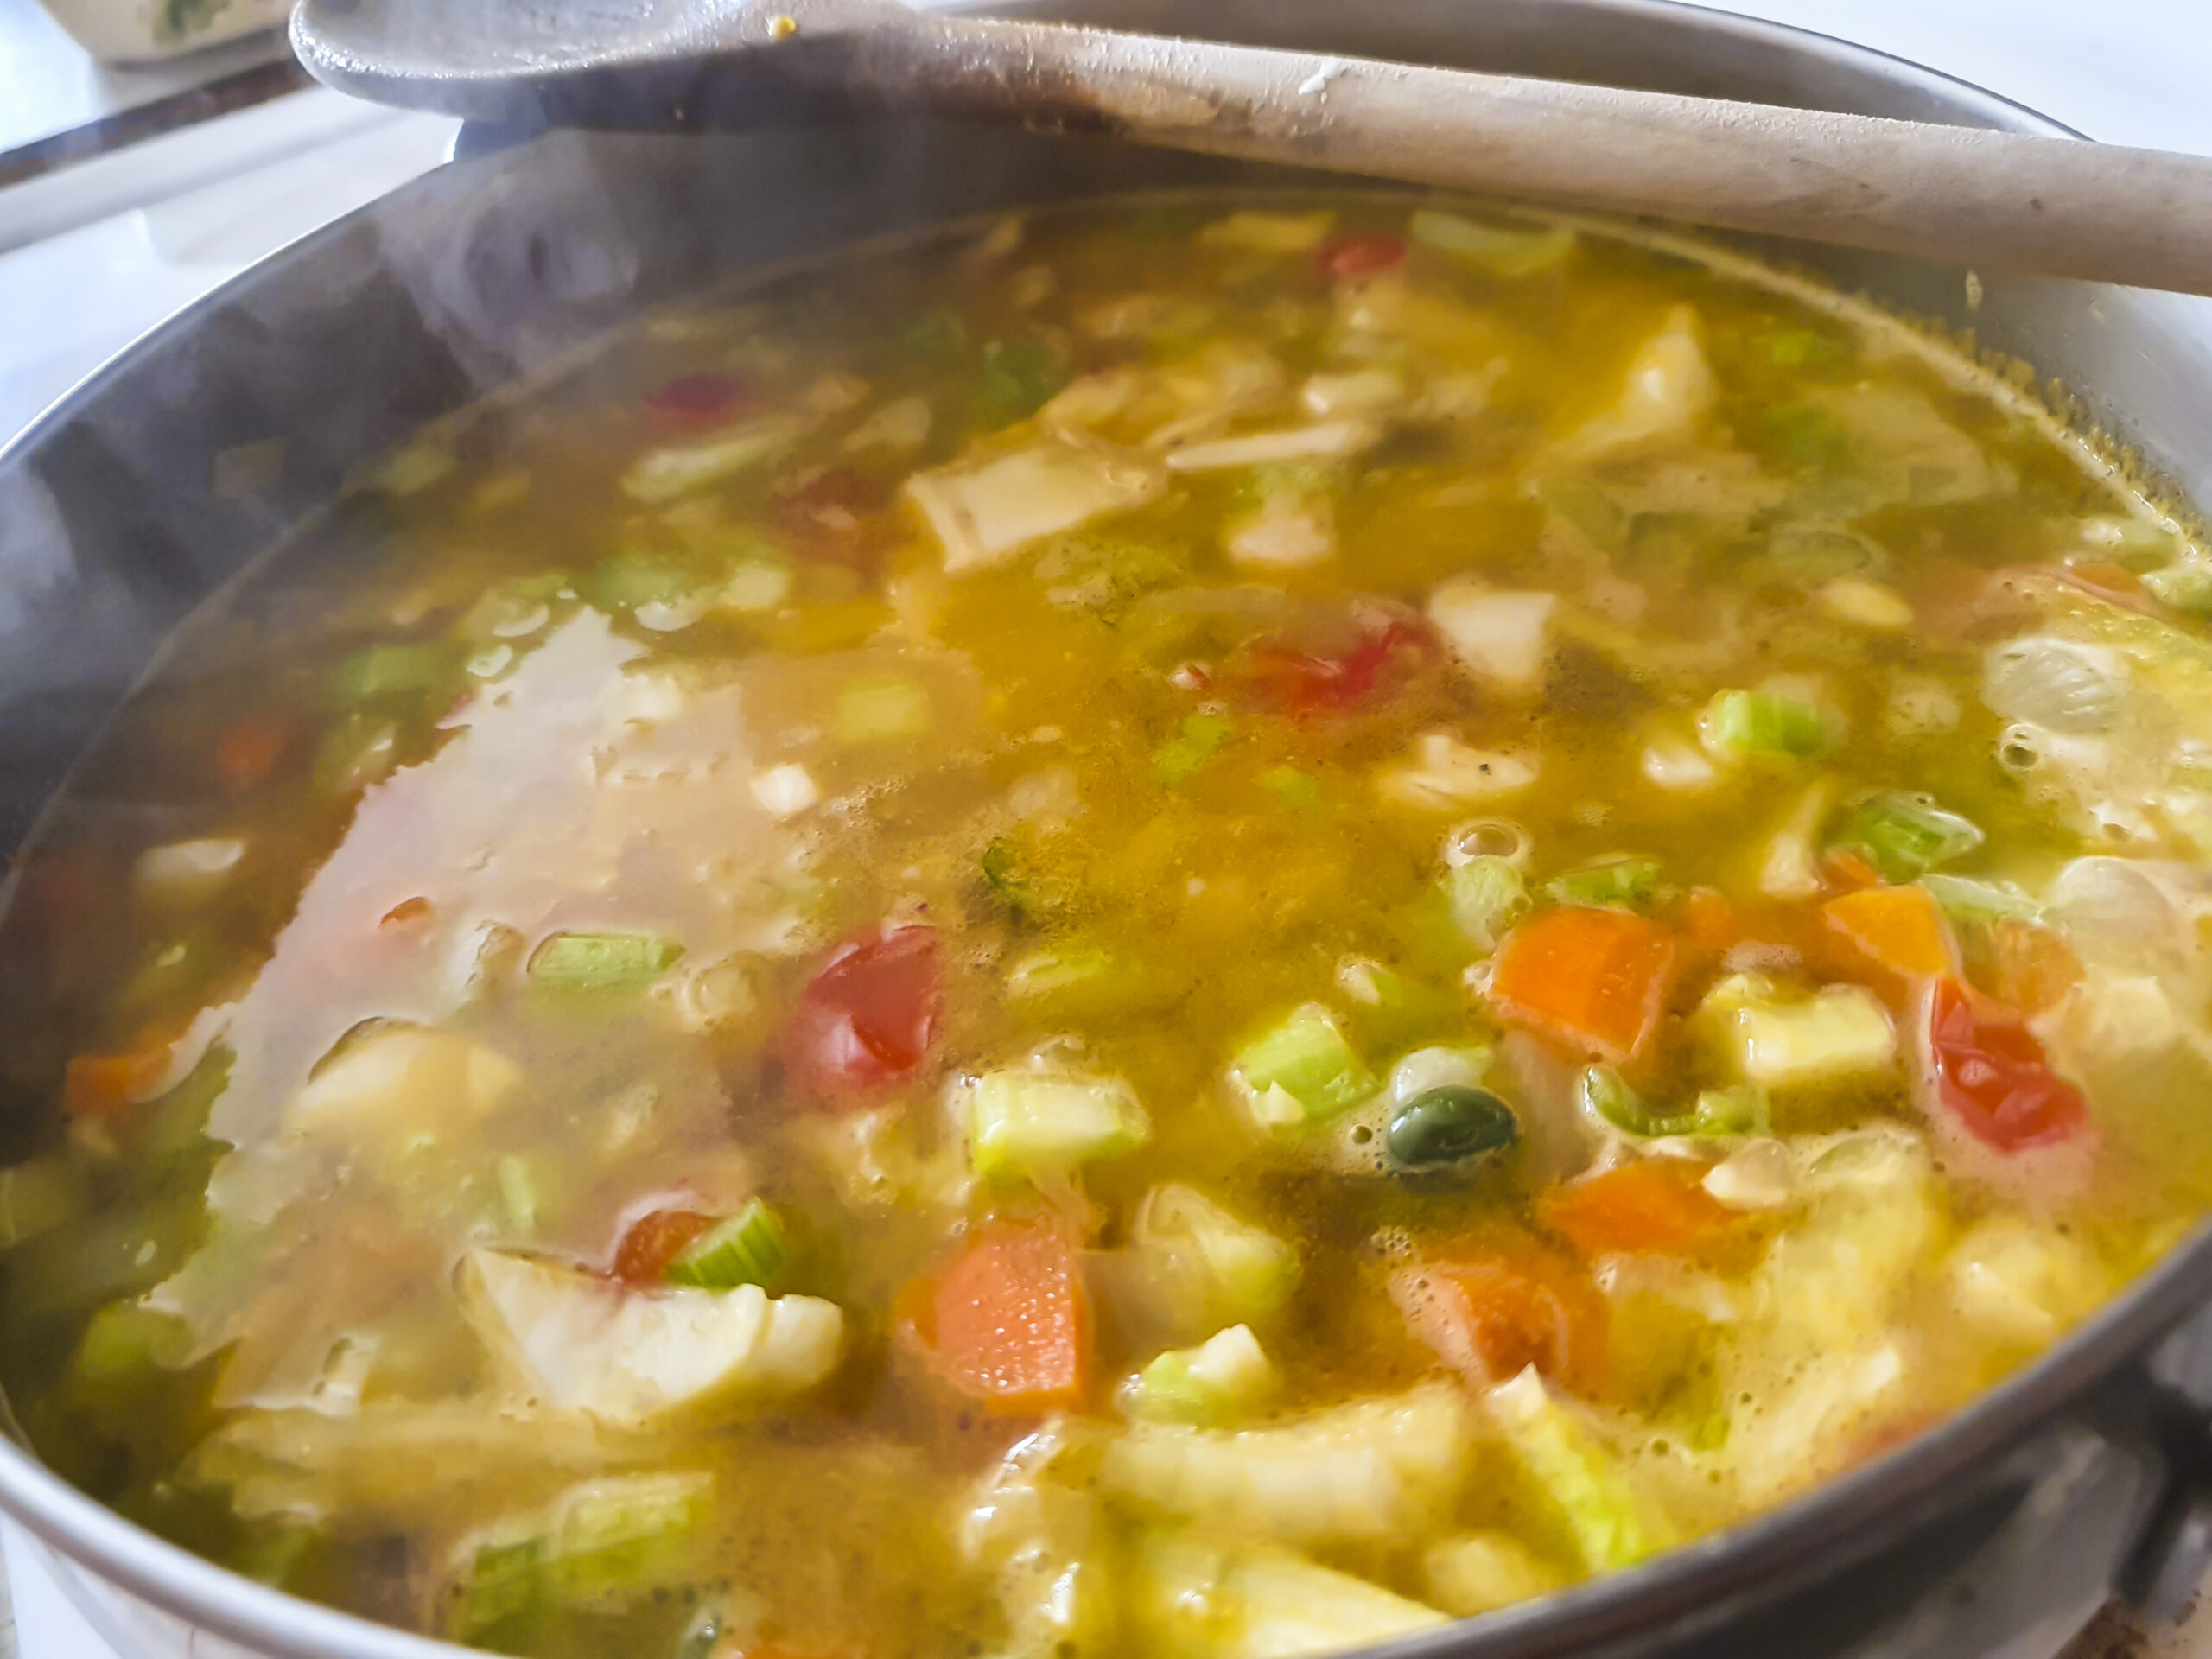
<point x="1442" y="1125"/>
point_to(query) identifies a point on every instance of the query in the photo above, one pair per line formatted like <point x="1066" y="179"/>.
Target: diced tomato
<point x="102" y="1085"/>
<point x="698" y="400"/>
<point x="1328" y="674"/>
<point x="1349" y="257"/>
<point x="2028" y="966"/>
<point x="1988" y="1075"/>
<point x="869" y="1017"/>
<point x="249" y="748"/>
<point x="1595" y="980"/>
<point x="1007" y="1321"/>
<point x="1895" y="936"/>
<point x="1491" y="1312"/>
<point x="1654" y="1207"/>
<point x="654" y="1240"/>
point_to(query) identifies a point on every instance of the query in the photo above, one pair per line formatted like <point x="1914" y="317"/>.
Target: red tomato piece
<point x="1350" y="257"/>
<point x="698" y="400"/>
<point x="869" y="1016"/>
<point x="1989" y="1075"/>
<point x="1302" y="679"/>
<point x="1007" y="1321"/>
<point x="654" y="1240"/>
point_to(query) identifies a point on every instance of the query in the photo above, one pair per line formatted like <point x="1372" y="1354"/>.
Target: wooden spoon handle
<point x="1962" y="195"/>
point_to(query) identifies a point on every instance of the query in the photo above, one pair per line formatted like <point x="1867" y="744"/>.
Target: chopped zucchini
<point x="1613" y="1526"/>
<point x="1370" y="1469"/>
<point x="1841" y="1033"/>
<point x="1201" y="1599"/>
<point x="1022" y="1121"/>
<point x="1209" y="1385"/>
<point x="590" y="961"/>
<point x="1301" y="1072"/>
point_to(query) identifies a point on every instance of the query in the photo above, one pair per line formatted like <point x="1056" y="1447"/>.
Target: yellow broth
<point x="1209" y="927"/>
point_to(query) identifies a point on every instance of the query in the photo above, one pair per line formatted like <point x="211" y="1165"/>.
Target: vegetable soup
<point x="1202" y="927"/>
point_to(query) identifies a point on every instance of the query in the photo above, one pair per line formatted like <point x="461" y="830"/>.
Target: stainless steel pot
<point x="1998" y="1534"/>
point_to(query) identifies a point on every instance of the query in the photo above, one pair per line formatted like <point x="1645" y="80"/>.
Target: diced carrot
<point x="1654" y="1207"/>
<point x="2029" y="967"/>
<point x="1595" y="980"/>
<point x="1709" y="921"/>
<point x="1896" y="932"/>
<point x="249" y="748"/>
<point x="101" y="1085"/>
<point x="1845" y="871"/>
<point x="1491" y="1312"/>
<point x="654" y="1240"/>
<point x="1007" y="1321"/>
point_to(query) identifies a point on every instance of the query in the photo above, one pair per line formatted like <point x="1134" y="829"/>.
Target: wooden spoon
<point x="1958" y="194"/>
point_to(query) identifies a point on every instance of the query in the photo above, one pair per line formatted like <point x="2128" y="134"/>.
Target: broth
<point x="1207" y="925"/>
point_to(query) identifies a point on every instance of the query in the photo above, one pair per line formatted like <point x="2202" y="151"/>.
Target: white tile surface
<point x="2123" y="71"/>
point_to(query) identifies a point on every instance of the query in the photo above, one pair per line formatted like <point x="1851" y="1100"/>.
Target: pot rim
<point x="85" y="1534"/>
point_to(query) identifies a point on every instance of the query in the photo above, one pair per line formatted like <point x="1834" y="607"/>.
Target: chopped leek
<point x="1611" y="1525"/>
<point x="881" y="708"/>
<point x="1905" y="836"/>
<point x="1196" y="1266"/>
<point x="1189" y="752"/>
<point x="1301" y="1072"/>
<point x="603" y="1544"/>
<point x="1214" y="1383"/>
<point x="601" y="962"/>
<point x="1610" y="881"/>
<point x="1487" y="897"/>
<point x="750" y="1247"/>
<point x="1759" y="722"/>
<point x="1026" y="1123"/>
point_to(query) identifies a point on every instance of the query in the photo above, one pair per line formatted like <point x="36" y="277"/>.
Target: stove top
<point x="126" y="195"/>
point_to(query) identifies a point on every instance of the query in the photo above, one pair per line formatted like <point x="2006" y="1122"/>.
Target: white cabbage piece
<point x="1840" y="1034"/>
<point x="2022" y="1281"/>
<point x="1503" y="638"/>
<point x="1287" y="536"/>
<point x="1372" y="1469"/>
<point x="1668" y="392"/>
<point x="1044" y="1543"/>
<point x="1321" y="440"/>
<point x="393" y="1082"/>
<point x="1471" y="1573"/>
<point x="628" y="1356"/>
<point x="1201" y="1599"/>
<point x="1441" y="773"/>
<point x="984" y="512"/>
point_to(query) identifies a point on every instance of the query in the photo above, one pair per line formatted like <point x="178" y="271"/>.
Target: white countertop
<point x="2132" y="71"/>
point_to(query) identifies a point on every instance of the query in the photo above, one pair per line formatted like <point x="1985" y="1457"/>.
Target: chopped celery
<point x="1611" y="1525"/>
<point x="1487" y="897"/>
<point x="1196" y="1266"/>
<point x="1965" y="899"/>
<point x="1741" y="1108"/>
<point x="391" y="670"/>
<point x="881" y="708"/>
<point x="1606" y="1097"/>
<point x="1019" y="373"/>
<point x="1301" y="1072"/>
<point x="1292" y="787"/>
<point x="1500" y="251"/>
<point x="1205" y="1600"/>
<point x="751" y="1248"/>
<point x="1220" y="1380"/>
<point x="1373" y="1470"/>
<point x="35" y="1195"/>
<point x="1388" y="1007"/>
<point x="1758" y="722"/>
<point x="1190" y="751"/>
<point x="1905" y="836"/>
<point x="627" y="580"/>
<point x="601" y="962"/>
<point x="1026" y="1123"/>
<point x="1079" y="977"/>
<point x="602" y="1545"/>
<point x="1841" y="1033"/>
<point x="1612" y="882"/>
